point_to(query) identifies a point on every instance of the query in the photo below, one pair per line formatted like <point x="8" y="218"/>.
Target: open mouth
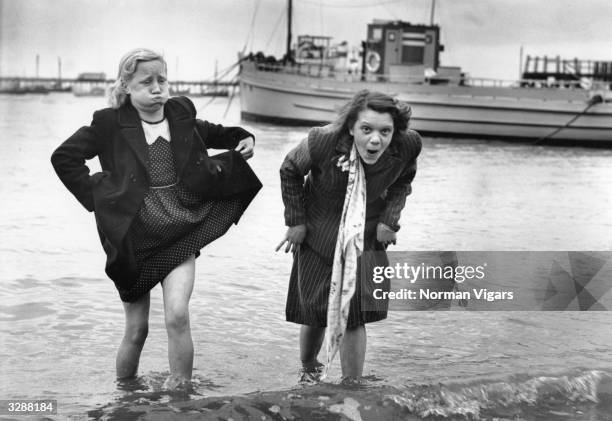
<point x="372" y="152"/>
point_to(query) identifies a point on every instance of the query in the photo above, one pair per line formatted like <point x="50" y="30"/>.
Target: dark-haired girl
<point x="358" y="172"/>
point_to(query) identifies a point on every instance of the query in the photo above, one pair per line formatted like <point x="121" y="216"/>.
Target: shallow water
<point x="61" y="319"/>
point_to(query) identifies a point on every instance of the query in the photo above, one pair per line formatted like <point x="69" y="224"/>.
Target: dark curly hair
<point x="377" y="101"/>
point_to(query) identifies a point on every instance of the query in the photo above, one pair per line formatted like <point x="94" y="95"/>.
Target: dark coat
<point x="318" y="202"/>
<point x="117" y="193"/>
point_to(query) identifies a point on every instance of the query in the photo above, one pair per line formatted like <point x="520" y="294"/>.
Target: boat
<point x="556" y="101"/>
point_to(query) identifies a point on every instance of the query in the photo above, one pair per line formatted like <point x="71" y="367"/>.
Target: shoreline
<point x="583" y="395"/>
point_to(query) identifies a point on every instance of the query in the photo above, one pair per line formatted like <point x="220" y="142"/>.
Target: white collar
<point x="154" y="130"/>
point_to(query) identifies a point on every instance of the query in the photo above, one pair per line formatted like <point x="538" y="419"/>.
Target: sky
<point x="484" y="37"/>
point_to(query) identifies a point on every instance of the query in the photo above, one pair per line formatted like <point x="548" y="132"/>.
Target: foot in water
<point x="311" y="373"/>
<point x="132" y="384"/>
<point x="353" y="381"/>
<point x="175" y="383"/>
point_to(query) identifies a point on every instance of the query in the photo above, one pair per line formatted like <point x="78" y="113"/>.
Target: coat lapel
<point x="181" y="132"/>
<point x="344" y="145"/>
<point x="131" y="129"/>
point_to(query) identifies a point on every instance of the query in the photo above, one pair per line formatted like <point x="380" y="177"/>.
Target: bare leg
<point x="352" y="352"/>
<point x="177" y="287"/>
<point x="136" y="331"/>
<point x="311" y="339"/>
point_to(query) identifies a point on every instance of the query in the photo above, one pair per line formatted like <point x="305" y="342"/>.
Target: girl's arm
<point x="397" y="192"/>
<point x="217" y="136"/>
<point x="69" y="162"/>
<point x="296" y="165"/>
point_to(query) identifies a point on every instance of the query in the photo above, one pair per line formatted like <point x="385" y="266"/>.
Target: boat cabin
<point x="312" y="47"/>
<point x="394" y="51"/>
<point x="398" y="51"/>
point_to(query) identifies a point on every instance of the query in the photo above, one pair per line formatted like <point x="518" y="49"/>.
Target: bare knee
<point x="136" y="333"/>
<point x="177" y="321"/>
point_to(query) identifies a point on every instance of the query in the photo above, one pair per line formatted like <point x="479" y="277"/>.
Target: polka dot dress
<point x="173" y="222"/>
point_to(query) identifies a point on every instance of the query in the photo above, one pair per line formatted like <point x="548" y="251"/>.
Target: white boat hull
<point x="445" y="110"/>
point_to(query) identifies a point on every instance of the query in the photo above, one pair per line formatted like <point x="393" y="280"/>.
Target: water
<point x="61" y="319"/>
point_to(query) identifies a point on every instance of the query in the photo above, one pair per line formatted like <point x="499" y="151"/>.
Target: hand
<point x="385" y="235"/>
<point x="245" y="147"/>
<point x="294" y="237"/>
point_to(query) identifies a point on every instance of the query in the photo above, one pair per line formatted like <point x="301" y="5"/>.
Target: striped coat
<point x="317" y="203"/>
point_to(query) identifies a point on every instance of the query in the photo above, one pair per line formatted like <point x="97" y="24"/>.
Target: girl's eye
<point x="366" y="129"/>
<point x="386" y="132"/>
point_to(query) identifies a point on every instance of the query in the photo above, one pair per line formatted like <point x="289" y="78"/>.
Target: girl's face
<point x="148" y="87"/>
<point x="372" y="133"/>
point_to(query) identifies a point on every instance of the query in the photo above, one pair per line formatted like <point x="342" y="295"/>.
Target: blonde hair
<point x="117" y="93"/>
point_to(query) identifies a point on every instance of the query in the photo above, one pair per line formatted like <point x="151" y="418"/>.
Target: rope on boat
<point x="249" y="37"/>
<point x="224" y="73"/>
<point x="595" y="99"/>
<point x="229" y="103"/>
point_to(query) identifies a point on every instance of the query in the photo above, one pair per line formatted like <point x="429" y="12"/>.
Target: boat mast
<point x="431" y="15"/>
<point x="289" y="13"/>
<point x="59" y="73"/>
<point x="521" y="63"/>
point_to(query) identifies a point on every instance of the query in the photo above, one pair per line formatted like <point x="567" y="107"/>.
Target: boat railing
<point x="537" y="67"/>
<point x="528" y="83"/>
<point x="312" y="72"/>
<point x="303" y="69"/>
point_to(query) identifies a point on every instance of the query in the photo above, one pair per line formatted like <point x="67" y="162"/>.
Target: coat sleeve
<point x="69" y="158"/>
<point x="397" y="192"/>
<point x="217" y="136"/>
<point x="296" y="165"/>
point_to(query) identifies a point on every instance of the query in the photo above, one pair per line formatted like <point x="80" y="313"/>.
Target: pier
<point x="542" y="68"/>
<point x="94" y="85"/>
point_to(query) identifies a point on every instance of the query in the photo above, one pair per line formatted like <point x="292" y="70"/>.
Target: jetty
<point x="94" y="84"/>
